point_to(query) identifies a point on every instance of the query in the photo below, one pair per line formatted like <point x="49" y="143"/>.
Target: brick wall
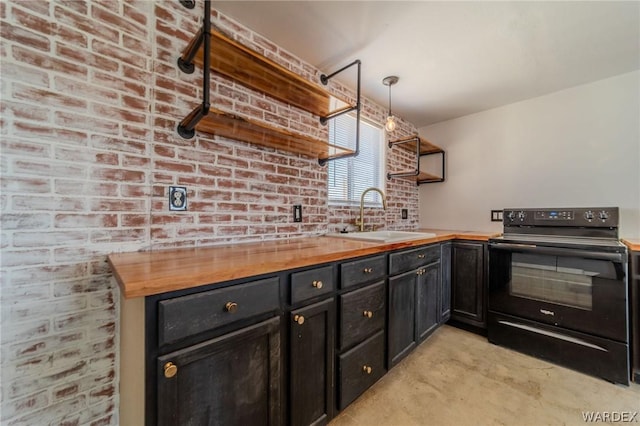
<point x="90" y="98"/>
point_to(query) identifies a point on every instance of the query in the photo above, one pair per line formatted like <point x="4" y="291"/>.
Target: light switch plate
<point x="297" y="212"/>
<point x="405" y="214"/>
<point x="496" y="215"/>
<point x="177" y="198"/>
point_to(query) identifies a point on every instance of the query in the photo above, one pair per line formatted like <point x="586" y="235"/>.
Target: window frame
<point x="354" y="199"/>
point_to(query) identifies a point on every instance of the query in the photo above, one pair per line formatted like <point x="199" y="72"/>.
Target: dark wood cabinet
<point x="359" y="368"/>
<point x="427" y="300"/>
<point x="311" y="363"/>
<point x="634" y="314"/>
<point x="445" y="286"/>
<point x="468" y="283"/>
<point x="401" y="325"/>
<point x="232" y="380"/>
<point x="414" y="300"/>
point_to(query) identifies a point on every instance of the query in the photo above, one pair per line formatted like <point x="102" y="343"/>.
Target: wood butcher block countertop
<point x="632" y="243"/>
<point x="153" y="272"/>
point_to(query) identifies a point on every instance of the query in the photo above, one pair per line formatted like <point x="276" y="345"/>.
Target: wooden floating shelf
<point x="251" y="69"/>
<point x="427" y="178"/>
<point x="426" y="147"/>
<point x="231" y="126"/>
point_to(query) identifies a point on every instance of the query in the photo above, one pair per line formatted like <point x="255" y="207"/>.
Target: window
<point x="349" y="177"/>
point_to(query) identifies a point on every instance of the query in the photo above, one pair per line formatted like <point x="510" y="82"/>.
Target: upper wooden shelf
<point x="231" y="126"/>
<point x="426" y="147"/>
<point x="251" y="69"/>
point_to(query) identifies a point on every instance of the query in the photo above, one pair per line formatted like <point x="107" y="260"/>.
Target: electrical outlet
<point x="405" y="214"/>
<point x="496" y="215"/>
<point x="177" y="198"/>
<point x="297" y="212"/>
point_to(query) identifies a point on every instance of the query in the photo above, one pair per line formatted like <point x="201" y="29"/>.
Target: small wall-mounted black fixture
<point x="405" y="214"/>
<point x="297" y="212"/>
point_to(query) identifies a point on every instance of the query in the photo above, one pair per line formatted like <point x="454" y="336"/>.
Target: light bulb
<point x="390" y="125"/>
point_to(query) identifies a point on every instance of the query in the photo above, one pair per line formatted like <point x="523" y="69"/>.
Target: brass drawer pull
<point x="170" y="370"/>
<point x="367" y="314"/>
<point x="231" y="307"/>
<point x="299" y="319"/>
<point x="368" y="270"/>
<point x="366" y="369"/>
<point x="317" y="284"/>
<point x="421" y="256"/>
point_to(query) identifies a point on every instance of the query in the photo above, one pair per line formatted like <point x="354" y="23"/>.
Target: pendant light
<point x="390" y="124"/>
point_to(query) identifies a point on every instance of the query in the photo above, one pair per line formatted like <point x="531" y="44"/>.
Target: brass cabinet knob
<point x="367" y="314"/>
<point x="317" y="284"/>
<point x="299" y="319"/>
<point x="368" y="270"/>
<point x="170" y="370"/>
<point x="366" y="369"/>
<point x="421" y="256"/>
<point x="231" y="307"/>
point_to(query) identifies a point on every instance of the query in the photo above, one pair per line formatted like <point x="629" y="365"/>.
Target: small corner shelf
<point x="213" y="51"/>
<point x="422" y="147"/>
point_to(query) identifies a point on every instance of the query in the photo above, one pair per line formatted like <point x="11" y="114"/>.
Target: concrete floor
<point x="459" y="378"/>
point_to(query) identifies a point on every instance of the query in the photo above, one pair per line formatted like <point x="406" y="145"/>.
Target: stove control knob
<point x="603" y="215"/>
<point x="512" y="216"/>
<point x="521" y="216"/>
<point x="588" y="215"/>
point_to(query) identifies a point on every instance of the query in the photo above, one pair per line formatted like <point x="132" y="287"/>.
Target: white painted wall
<point x="576" y="147"/>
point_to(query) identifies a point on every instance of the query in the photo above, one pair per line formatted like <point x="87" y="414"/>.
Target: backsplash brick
<point x="90" y="99"/>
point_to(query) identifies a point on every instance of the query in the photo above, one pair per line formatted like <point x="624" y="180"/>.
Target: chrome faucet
<point x="360" y="223"/>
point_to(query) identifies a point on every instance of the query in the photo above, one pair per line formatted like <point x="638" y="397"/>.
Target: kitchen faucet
<point x="360" y="222"/>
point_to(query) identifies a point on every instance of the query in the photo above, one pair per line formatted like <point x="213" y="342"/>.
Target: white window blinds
<point x="349" y="177"/>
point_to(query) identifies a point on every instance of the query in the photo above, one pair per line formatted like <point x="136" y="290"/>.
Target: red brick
<point x="84" y="24"/>
<point x="118" y="175"/>
<point x="85" y="220"/>
<point x="48" y="63"/>
<point x="24" y="37"/>
<point x="118" y="144"/>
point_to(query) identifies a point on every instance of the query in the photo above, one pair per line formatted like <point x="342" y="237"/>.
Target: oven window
<point x="540" y="277"/>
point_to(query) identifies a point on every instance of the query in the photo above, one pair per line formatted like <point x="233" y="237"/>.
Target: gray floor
<point x="458" y="378"/>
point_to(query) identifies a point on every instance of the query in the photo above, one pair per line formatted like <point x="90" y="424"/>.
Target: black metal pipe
<point x="185" y="61"/>
<point x="325" y="78"/>
<point x="358" y="107"/>
<point x="186" y="128"/>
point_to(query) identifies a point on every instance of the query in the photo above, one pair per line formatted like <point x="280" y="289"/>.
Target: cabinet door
<point x="231" y="380"/>
<point x="445" y="287"/>
<point x="311" y="362"/>
<point x="427" y="301"/>
<point x="468" y="283"/>
<point x="401" y="333"/>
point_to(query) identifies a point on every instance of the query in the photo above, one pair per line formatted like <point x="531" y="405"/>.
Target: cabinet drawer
<point x="308" y="284"/>
<point x="360" y="368"/>
<point x="189" y="315"/>
<point x="362" y="271"/>
<point x="362" y="312"/>
<point x="411" y="259"/>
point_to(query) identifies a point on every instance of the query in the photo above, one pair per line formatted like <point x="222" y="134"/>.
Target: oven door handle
<point x="557" y="251"/>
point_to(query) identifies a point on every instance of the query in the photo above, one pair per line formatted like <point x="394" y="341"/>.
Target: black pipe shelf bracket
<point x="186" y="128"/>
<point x="423" y="148"/>
<point x="210" y="120"/>
<point x="324" y="79"/>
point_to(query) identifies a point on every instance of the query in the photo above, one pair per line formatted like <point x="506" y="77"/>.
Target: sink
<point x="384" y="236"/>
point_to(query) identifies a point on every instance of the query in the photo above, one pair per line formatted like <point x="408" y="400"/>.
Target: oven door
<point x="576" y="289"/>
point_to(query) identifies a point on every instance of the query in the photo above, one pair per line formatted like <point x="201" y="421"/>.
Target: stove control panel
<point x="577" y="217"/>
